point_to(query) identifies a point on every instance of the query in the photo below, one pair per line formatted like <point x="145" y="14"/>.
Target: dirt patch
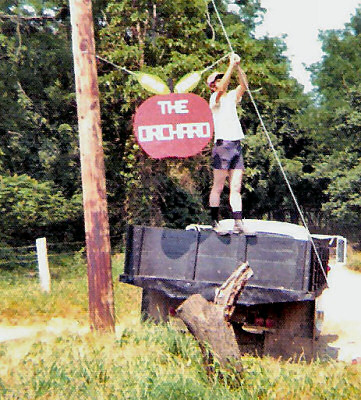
<point x="55" y="327"/>
<point x="340" y="336"/>
<point x="341" y="331"/>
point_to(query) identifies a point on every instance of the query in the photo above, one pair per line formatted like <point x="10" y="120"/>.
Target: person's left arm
<point x="243" y="83"/>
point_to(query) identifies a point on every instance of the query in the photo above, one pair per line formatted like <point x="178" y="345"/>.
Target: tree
<point x="39" y="110"/>
<point x="335" y="125"/>
<point x="39" y="143"/>
<point x="30" y="208"/>
<point x="171" y="39"/>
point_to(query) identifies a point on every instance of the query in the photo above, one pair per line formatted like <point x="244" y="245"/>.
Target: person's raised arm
<point x="243" y="82"/>
<point x="224" y="82"/>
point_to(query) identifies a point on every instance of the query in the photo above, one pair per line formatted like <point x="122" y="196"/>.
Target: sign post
<point x="100" y="286"/>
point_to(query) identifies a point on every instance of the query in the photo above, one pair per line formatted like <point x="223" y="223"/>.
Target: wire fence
<point x="31" y="295"/>
<point x="43" y="266"/>
<point x="26" y="257"/>
<point x="17" y="256"/>
<point x="12" y="257"/>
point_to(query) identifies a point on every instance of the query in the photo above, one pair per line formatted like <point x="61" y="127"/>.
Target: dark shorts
<point x="227" y="154"/>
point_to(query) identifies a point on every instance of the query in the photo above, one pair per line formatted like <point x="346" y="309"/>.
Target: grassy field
<point x="354" y="259"/>
<point x="143" y="360"/>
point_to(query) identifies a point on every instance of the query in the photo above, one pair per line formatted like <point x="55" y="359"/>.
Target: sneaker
<point x="216" y="226"/>
<point x="240" y="228"/>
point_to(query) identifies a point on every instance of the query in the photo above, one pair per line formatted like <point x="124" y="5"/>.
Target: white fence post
<point x="43" y="264"/>
<point x="341" y="250"/>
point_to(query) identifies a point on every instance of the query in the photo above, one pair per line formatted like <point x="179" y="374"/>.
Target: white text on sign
<point x="178" y="107"/>
<point x="168" y="132"/>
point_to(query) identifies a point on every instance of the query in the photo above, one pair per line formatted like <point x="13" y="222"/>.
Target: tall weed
<point x="142" y="361"/>
<point x="139" y="365"/>
<point x="354" y="260"/>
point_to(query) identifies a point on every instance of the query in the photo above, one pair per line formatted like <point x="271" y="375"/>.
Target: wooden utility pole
<point x="100" y="286"/>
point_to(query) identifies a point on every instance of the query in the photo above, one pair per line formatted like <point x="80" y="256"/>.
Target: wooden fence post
<point x="43" y="265"/>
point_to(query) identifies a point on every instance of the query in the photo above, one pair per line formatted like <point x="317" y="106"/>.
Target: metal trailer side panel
<point x="277" y="261"/>
<point x="168" y="253"/>
<point x="180" y="263"/>
<point x="218" y="256"/>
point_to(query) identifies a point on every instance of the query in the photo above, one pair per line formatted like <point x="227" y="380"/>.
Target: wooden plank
<point x="210" y="322"/>
<point x="205" y="321"/>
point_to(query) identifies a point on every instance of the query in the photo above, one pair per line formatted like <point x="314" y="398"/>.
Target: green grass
<point x="143" y="360"/>
<point x="354" y="260"/>
<point x="157" y="362"/>
<point x="25" y="304"/>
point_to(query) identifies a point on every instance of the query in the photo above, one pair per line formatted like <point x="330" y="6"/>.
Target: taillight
<point x="259" y="321"/>
<point x="270" y="323"/>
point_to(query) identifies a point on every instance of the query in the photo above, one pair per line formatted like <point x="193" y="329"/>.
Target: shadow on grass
<point x="324" y="350"/>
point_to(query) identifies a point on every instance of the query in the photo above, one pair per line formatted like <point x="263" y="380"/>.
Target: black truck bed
<point x="179" y="263"/>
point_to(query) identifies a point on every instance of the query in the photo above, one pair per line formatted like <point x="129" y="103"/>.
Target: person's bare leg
<point x="235" y="200"/>
<point x="235" y="184"/>
<point x="219" y="179"/>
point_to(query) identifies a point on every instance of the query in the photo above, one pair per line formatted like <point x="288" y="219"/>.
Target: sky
<point x="301" y="21"/>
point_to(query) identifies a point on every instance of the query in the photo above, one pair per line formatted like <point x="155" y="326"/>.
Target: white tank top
<point x="225" y="117"/>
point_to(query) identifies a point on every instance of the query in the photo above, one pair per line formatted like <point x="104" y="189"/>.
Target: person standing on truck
<point x="227" y="158"/>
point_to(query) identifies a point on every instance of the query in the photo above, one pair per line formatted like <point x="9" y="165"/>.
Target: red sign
<point x="173" y="125"/>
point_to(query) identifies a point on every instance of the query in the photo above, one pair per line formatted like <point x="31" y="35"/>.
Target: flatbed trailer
<point x="276" y="313"/>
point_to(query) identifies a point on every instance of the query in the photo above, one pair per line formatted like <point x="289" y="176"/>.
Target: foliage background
<point x="317" y="136"/>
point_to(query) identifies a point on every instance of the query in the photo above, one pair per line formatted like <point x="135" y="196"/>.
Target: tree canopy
<point x="316" y="138"/>
<point x="336" y="124"/>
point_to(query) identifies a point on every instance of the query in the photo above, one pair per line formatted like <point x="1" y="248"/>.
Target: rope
<point x="215" y="63"/>
<point x="116" y="66"/>
<point x="134" y="73"/>
<point x="223" y="28"/>
<point x="273" y="149"/>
